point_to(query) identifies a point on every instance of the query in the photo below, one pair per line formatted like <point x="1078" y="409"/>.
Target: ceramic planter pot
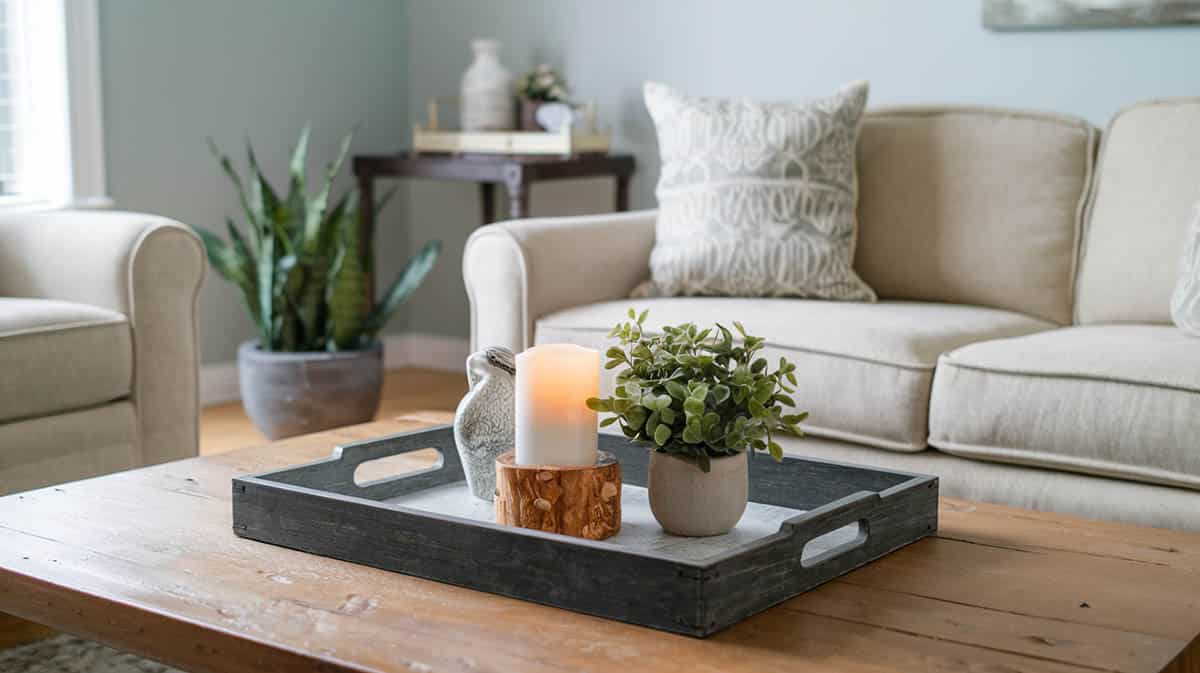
<point x="288" y="394"/>
<point x="687" y="501"/>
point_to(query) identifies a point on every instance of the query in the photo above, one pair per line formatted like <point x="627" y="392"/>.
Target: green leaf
<point x="404" y="285"/>
<point x="661" y="435"/>
<point x="693" y="407"/>
<point x="758" y="366"/>
<point x="677" y="390"/>
<point x="652" y="423"/>
<point x="315" y="214"/>
<point x="667" y="415"/>
<point x="783" y="399"/>
<point x="699" y="391"/>
<point x="632" y="315"/>
<point x="693" y="434"/>
<point x="776" y="451"/>
<point x="720" y="393"/>
<point x="597" y="404"/>
<point x="227" y="168"/>
<point x="642" y="316"/>
<point x="757" y="410"/>
<point x="635" y="417"/>
<point x="608" y="421"/>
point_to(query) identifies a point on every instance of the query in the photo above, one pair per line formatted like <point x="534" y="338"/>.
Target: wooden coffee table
<point x="147" y="562"/>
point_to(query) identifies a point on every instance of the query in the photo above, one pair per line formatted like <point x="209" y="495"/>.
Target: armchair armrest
<point x="519" y="271"/>
<point x="146" y="267"/>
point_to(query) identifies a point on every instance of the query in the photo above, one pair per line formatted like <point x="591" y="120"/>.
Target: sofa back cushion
<point x="973" y="206"/>
<point x="1147" y="182"/>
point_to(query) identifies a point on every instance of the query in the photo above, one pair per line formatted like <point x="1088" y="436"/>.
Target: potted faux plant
<point x="303" y="273"/>
<point x="541" y="85"/>
<point x="702" y="401"/>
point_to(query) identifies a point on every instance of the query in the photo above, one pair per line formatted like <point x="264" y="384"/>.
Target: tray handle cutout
<point x="835" y="530"/>
<point x="832" y="544"/>
<point x="399" y="466"/>
<point x="361" y="467"/>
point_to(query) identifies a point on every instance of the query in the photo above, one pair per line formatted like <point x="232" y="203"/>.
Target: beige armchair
<point x="98" y="344"/>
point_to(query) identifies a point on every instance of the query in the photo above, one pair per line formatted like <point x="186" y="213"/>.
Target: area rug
<point x="68" y="654"/>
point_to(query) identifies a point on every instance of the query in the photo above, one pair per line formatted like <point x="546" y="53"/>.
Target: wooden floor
<point x="224" y="427"/>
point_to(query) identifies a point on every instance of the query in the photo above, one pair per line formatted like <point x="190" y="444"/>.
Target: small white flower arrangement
<point x="543" y="84"/>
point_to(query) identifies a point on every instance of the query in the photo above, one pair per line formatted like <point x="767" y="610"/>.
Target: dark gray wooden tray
<point x="808" y="522"/>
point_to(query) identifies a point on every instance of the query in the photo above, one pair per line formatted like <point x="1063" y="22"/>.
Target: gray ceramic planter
<point x="288" y="394"/>
<point x="687" y="501"/>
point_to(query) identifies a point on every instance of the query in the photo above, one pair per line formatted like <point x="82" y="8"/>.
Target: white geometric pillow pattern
<point x="1185" y="302"/>
<point x="756" y="199"/>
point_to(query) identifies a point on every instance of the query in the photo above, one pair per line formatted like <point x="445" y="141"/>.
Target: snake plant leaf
<point x="289" y="283"/>
<point x="228" y="169"/>
<point x="264" y="203"/>
<point x="405" y="284"/>
<point x="295" y="202"/>
<point x="315" y="215"/>
<point x="266" y="293"/>
<point x="348" y="305"/>
<point x="239" y="245"/>
<point x="233" y="267"/>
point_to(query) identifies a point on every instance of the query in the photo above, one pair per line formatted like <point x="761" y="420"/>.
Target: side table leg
<point x="366" y="225"/>
<point x="487" y="199"/>
<point x="517" y="184"/>
<point x="622" y="193"/>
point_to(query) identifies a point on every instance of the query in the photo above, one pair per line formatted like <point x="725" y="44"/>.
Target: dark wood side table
<point x="515" y="172"/>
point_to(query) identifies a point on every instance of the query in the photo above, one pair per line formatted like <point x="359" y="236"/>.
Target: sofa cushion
<point x="1114" y="400"/>
<point x="1147" y="181"/>
<point x="973" y="206"/>
<point x="57" y="356"/>
<point x="865" y="369"/>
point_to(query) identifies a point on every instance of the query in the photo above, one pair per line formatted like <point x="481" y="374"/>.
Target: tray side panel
<point x="794" y="482"/>
<point x="575" y="575"/>
<point x="738" y="587"/>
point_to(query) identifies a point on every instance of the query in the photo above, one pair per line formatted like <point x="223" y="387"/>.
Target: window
<point x="51" y="149"/>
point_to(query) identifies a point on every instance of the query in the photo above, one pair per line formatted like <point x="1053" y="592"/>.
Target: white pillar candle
<point x="554" y="424"/>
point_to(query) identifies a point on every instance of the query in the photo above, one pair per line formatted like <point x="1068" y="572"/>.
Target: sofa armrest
<point x="146" y="267"/>
<point x="519" y="271"/>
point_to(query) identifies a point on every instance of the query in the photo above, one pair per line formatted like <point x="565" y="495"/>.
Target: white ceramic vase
<point x="687" y="501"/>
<point x="486" y="98"/>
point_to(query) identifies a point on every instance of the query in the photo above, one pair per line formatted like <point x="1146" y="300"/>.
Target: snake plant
<point x="301" y="267"/>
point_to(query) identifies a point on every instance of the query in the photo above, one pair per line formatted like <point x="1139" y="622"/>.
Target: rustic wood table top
<point x="146" y="561"/>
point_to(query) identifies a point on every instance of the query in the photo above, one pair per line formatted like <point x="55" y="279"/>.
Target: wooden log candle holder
<point x="578" y="501"/>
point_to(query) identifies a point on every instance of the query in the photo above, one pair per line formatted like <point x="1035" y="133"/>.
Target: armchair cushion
<point x="865" y="369"/>
<point x="57" y="356"/>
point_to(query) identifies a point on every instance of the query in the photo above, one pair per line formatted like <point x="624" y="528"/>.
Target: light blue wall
<point x="177" y="71"/>
<point x="912" y="51"/>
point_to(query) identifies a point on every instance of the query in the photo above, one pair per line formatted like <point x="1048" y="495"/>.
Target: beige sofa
<point x="98" y="347"/>
<point x="1022" y="348"/>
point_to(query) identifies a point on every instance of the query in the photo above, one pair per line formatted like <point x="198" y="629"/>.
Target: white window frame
<point x="59" y="117"/>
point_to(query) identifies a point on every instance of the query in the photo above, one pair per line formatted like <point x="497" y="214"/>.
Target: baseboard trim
<point x="219" y="380"/>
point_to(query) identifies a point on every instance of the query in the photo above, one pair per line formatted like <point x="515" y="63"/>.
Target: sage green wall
<point x="912" y="51"/>
<point x="177" y="71"/>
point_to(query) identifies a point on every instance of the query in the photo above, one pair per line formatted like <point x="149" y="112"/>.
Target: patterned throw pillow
<point x="1185" y="303"/>
<point x="756" y="199"/>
